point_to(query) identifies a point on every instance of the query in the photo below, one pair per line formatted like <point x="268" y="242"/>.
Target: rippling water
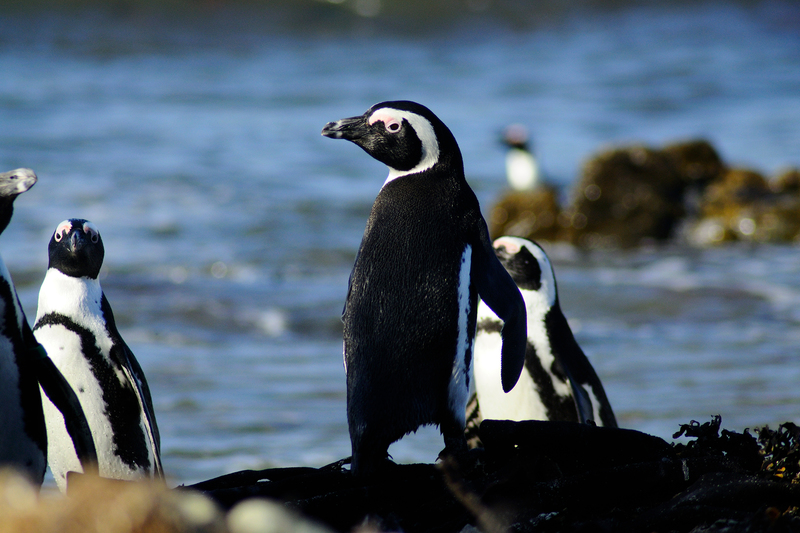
<point x="191" y="138"/>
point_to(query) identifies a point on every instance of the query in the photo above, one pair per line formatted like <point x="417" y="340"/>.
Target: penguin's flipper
<point x="580" y="373"/>
<point x="58" y="390"/>
<point x="135" y="375"/>
<point x="500" y="293"/>
<point x="583" y="403"/>
<point x="123" y="356"/>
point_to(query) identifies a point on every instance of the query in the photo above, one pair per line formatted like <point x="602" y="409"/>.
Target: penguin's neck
<point x="77" y="298"/>
<point x="442" y="164"/>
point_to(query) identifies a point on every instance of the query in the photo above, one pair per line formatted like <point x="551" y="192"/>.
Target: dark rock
<point x="633" y="195"/>
<point x="787" y="181"/>
<point x="533" y="215"/>
<point x="697" y="161"/>
<point x="735" y="190"/>
<point x="742" y="206"/>
<point x="625" y="197"/>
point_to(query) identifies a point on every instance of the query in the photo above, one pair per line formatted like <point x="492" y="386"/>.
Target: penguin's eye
<point x="62" y="229"/>
<point x="94" y="235"/>
<point x="393" y="126"/>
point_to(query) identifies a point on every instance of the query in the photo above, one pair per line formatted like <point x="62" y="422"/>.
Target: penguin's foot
<point x="336" y="466"/>
<point x="360" y="467"/>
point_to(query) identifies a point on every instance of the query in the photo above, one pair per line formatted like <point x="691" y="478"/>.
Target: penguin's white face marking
<point x="547" y="293"/>
<point x="393" y="123"/>
<point x="66" y="226"/>
<point x="62" y="229"/>
<point x="458" y="389"/>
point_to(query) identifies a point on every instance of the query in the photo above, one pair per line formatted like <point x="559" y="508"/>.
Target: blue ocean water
<point x="191" y="137"/>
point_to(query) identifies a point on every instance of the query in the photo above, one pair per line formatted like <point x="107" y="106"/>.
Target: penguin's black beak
<point x="348" y="128"/>
<point x="76" y="241"/>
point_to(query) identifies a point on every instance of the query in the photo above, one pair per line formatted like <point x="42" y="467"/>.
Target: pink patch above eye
<point x="63" y="229"/>
<point x="90" y="228"/>
<point x="380" y="117"/>
<point x="510" y="246"/>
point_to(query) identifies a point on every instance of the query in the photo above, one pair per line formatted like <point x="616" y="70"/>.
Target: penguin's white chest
<point x="523" y="402"/>
<point x="522" y="170"/>
<point x="74" y="349"/>
<point x="65" y="349"/>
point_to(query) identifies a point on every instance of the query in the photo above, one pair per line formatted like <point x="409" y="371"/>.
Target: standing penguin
<point x="411" y="307"/>
<point x="23" y="441"/>
<point x="558" y="382"/>
<point x="522" y="167"/>
<point x="24" y="366"/>
<point x="75" y="324"/>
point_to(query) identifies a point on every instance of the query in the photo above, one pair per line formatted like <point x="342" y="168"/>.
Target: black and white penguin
<point x="412" y="302"/>
<point x="75" y="324"/>
<point x="522" y="167"/>
<point x="558" y="382"/>
<point x="23" y="441"/>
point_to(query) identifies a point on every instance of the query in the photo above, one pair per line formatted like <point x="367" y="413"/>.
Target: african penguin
<point x="75" y="324"/>
<point x="24" y="366"/>
<point x="23" y="440"/>
<point x="558" y="382"/>
<point x="411" y="307"/>
<point x="522" y="168"/>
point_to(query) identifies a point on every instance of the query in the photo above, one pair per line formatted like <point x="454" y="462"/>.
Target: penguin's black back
<point x="401" y="310"/>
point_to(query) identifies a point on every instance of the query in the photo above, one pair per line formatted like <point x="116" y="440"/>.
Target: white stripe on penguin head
<point x="425" y="133"/>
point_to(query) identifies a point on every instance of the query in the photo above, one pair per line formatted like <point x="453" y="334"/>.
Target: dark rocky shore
<point x="531" y="476"/>
<point x="557" y="476"/>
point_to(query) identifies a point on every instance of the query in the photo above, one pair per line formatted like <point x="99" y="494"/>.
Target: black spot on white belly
<point x="122" y="407"/>
<point x="489" y="325"/>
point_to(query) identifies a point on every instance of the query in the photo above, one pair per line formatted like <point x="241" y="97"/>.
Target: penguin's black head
<point x="405" y="136"/>
<point x="528" y="265"/>
<point x="12" y="184"/>
<point x="516" y="136"/>
<point x="76" y="249"/>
